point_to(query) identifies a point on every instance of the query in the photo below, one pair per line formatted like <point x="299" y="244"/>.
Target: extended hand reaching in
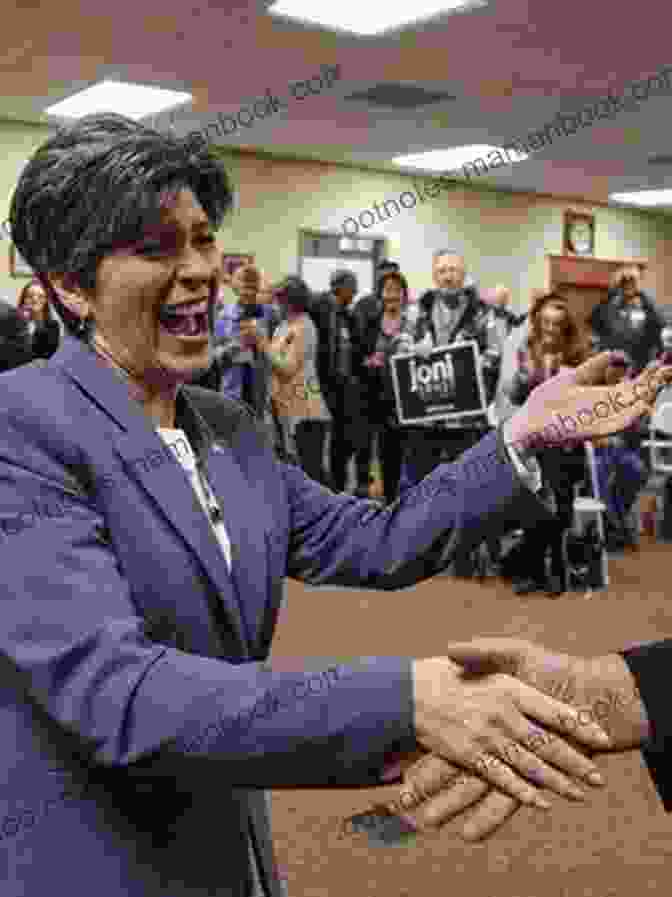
<point x="602" y="689"/>
<point x="482" y="723"/>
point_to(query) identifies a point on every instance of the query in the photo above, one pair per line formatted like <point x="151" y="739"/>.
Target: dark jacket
<point x="472" y="324"/>
<point x="339" y="391"/>
<point x="17" y="347"/>
<point x="15" y="343"/>
<point x="377" y="384"/>
<point x="367" y="309"/>
<point x="612" y="331"/>
<point x="46" y="339"/>
<point x="651" y="664"/>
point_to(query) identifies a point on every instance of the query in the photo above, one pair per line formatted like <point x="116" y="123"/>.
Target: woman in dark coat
<point x="383" y="336"/>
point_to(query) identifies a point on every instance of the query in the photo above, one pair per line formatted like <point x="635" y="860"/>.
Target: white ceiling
<point x="512" y="66"/>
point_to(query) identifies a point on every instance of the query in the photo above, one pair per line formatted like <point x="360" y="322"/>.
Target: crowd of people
<point x="315" y="369"/>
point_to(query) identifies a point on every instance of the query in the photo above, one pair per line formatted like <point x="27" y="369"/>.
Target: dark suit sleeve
<point x="651" y="665"/>
<point x="595" y="320"/>
<point x="15" y="347"/>
<point x="46" y="339"/>
<point x="346" y="541"/>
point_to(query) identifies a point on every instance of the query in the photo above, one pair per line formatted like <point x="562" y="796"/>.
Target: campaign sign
<point x="446" y="384"/>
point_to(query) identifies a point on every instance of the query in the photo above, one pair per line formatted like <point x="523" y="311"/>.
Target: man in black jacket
<point x="15" y="342"/>
<point x="451" y="312"/>
<point x="629" y="320"/>
<point x="338" y="359"/>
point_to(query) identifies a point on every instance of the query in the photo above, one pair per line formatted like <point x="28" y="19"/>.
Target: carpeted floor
<point x="617" y="845"/>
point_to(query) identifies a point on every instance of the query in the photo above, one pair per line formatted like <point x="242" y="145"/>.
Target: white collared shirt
<point x="179" y="444"/>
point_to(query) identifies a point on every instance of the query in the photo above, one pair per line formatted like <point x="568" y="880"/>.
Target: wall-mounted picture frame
<point x="233" y="260"/>
<point x="578" y="233"/>
<point x="18" y="267"/>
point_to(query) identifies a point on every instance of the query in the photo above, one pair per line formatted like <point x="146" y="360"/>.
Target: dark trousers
<point x="390" y="451"/>
<point x="346" y="442"/>
<point x="349" y="432"/>
<point x="364" y="454"/>
<point x="561" y="470"/>
<point x="309" y="440"/>
<point x="425" y="448"/>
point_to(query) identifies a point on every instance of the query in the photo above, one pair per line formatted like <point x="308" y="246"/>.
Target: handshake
<point x="479" y="750"/>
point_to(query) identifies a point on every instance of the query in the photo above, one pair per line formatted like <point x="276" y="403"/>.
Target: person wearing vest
<point x="451" y="312"/>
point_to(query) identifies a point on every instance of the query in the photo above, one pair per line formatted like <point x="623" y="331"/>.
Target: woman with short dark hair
<point x="386" y="333"/>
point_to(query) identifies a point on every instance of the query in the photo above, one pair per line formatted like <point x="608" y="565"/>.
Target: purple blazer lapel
<point x="146" y="460"/>
<point x="149" y="462"/>
<point x="245" y="516"/>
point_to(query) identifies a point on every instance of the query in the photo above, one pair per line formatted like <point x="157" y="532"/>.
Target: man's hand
<point x="602" y="688"/>
<point x="576" y="405"/>
<point x="481" y="723"/>
<point x="435" y="791"/>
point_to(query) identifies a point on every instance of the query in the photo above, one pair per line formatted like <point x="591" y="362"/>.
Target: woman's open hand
<point x="481" y="724"/>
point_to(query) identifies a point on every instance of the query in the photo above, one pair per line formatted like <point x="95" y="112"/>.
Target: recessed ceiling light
<point x="453" y="159"/>
<point x="133" y="100"/>
<point x="644" y="197"/>
<point x="366" y="18"/>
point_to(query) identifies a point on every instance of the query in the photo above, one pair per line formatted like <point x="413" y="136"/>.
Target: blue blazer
<point x="140" y="716"/>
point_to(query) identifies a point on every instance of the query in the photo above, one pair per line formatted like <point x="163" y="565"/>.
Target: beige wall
<point x="17" y="143"/>
<point x="505" y="236"/>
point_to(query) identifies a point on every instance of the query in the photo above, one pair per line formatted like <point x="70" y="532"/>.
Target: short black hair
<point x="295" y="292"/>
<point x="95" y="186"/>
<point x="386" y="265"/>
<point x="343" y="277"/>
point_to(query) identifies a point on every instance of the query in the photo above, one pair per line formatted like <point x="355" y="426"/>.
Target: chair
<point x="660" y="449"/>
<point x="659" y="445"/>
<point x="592" y="508"/>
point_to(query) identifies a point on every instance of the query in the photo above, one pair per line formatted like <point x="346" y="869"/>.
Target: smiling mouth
<point x="186" y="320"/>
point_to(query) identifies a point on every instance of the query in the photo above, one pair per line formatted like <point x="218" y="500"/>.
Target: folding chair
<point x="660" y="445"/>
<point x="587" y="508"/>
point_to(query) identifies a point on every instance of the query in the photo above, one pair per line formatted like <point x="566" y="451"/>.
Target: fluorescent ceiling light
<point x="365" y="18"/>
<point x="133" y="100"/>
<point x="453" y="159"/>
<point x="645" y="197"/>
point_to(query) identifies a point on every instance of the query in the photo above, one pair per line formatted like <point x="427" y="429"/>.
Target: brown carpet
<point x="616" y="845"/>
